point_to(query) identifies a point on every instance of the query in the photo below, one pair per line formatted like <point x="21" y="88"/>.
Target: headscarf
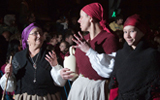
<point x="95" y="10"/>
<point x="138" y="22"/>
<point x="26" y="32"/>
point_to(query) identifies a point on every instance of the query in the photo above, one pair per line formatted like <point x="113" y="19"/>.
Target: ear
<point x="91" y="19"/>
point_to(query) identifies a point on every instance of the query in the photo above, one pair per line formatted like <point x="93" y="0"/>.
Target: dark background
<point x="53" y="9"/>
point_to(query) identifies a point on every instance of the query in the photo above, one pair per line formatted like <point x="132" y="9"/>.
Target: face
<point x="35" y="37"/>
<point x="62" y="47"/>
<point x="45" y="35"/>
<point x="84" y="21"/>
<point x="59" y="38"/>
<point x="69" y="40"/>
<point x="132" y="35"/>
<point x="53" y="41"/>
<point x="119" y="21"/>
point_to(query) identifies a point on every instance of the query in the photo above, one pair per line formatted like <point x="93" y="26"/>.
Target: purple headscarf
<point x="25" y="34"/>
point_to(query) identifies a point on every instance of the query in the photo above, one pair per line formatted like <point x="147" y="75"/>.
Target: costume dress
<point x="90" y="85"/>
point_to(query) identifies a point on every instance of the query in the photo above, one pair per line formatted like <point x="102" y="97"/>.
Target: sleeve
<point x="55" y="73"/>
<point x="101" y="63"/>
<point x="11" y="84"/>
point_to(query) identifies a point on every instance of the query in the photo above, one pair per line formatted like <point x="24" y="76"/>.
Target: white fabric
<point x="55" y="73"/>
<point x="86" y="89"/>
<point x="102" y="63"/>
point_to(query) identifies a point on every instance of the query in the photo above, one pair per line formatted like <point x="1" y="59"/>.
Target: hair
<point x="50" y="36"/>
<point x="66" y="43"/>
<point x="120" y="16"/>
<point x="68" y="34"/>
<point x="12" y="48"/>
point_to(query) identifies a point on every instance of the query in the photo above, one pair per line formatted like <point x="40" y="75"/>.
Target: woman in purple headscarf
<point x="33" y="73"/>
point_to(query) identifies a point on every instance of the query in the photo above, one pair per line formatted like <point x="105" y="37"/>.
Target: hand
<point x="66" y="73"/>
<point x="82" y="44"/>
<point x="8" y="70"/>
<point x="52" y="58"/>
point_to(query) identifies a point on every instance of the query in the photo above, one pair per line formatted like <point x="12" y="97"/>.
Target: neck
<point x="33" y="51"/>
<point x="94" y="30"/>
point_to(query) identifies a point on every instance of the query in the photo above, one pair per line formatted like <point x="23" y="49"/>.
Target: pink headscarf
<point x="95" y="10"/>
<point x="138" y="22"/>
<point x="26" y="32"/>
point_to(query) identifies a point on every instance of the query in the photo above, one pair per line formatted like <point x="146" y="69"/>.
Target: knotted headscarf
<point x="25" y="34"/>
<point x="138" y="22"/>
<point x="95" y="10"/>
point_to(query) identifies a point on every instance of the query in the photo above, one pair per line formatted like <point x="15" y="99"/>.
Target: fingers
<point x="80" y="35"/>
<point x="66" y="73"/>
<point x="8" y="70"/>
<point x="77" y="38"/>
<point x="51" y="56"/>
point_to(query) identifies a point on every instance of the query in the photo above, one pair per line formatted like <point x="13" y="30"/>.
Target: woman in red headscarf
<point x="94" y="56"/>
<point x="137" y="69"/>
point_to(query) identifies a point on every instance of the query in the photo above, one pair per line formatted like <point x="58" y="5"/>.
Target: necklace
<point x="35" y="67"/>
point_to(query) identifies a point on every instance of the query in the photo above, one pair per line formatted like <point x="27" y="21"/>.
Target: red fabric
<point x="95" y="10"/>
<point x="113" y="93"/>
<point x="104" y="42"/>
<point x="136" y="20"/>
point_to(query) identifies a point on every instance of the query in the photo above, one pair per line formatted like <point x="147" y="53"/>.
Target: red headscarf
<point x="138" y="22"/>
<point x="95" y="10"/>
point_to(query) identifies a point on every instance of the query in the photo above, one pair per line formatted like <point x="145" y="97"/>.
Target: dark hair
<point x="68" y="34"/>
<point x="120" y="16"/>
<point x="12" y="48"/>
<point x="50" y="36"/>
<point x="66" y="43"/>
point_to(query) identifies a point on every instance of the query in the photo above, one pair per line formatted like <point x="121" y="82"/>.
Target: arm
<point x="101" y="63"/>
<point x="56" y="68"/>
<point x="11" y="84"/>
<point x="55" y="73"/>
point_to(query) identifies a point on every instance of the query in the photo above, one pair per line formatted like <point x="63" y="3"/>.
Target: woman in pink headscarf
<point x="94" y="56"/>
<point x="137" y="69"/>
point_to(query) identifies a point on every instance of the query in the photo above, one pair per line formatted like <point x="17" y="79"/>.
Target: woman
<point x="137" y="68"/>
<point x="94" y="65"/>
<point x="35" y="74"/>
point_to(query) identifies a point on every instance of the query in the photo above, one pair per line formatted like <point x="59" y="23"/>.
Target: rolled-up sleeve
<point x="102" y="63"/>
<point x="55" y="73"/>
<point x="11" y="84"/>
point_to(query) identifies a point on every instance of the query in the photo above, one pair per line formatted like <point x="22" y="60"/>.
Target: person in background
<point x="136" y="74"/>
<point x="68" y="37"/>
<point x="117" y="24"/>
<point x="13" y="47"/>
<point x="34" y="72"/>
<point x="94" y="56"/>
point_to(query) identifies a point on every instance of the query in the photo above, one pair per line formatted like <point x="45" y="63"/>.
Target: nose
<point x="78" y="20"/>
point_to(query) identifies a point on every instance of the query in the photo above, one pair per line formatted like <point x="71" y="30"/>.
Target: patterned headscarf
<point x="26" y="32"/>
<point x="95" y="10"/>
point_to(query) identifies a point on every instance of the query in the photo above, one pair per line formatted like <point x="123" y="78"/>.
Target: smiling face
<point x="132" y="35"/>
<point x="84" y="21"/>
<point x="35" y="37"/>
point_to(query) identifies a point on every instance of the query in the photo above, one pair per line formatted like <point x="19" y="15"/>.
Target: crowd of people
<point x="115" y="62"/>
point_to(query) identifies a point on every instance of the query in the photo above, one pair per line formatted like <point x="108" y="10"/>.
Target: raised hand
<point x="82" y="44"/>
<point x="52" y="58"/>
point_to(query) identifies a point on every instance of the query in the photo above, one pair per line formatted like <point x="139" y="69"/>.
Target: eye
<point x="124" y="31"/>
